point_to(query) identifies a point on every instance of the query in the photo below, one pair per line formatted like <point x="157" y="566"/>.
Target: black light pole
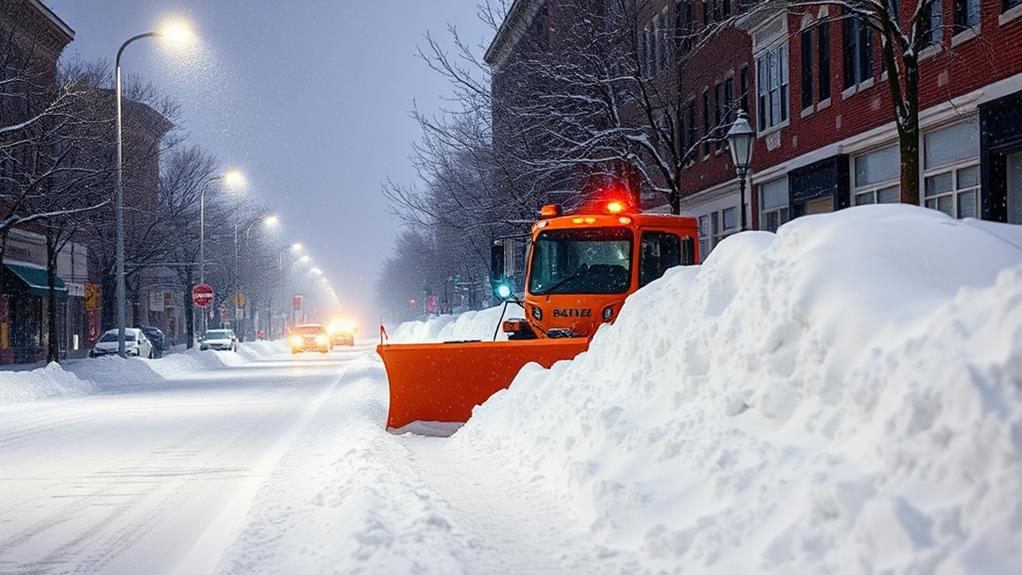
<point x="740" y="139"/>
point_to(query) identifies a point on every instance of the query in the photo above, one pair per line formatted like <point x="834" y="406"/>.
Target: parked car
<point x="136" y="344"/>
<point x="219" y="339"/>
<point x="310" y="337"/>
<point x="157" y="338"/>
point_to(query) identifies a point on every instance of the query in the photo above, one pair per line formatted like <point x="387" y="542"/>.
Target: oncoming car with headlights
<point x="310" y="337"/>
<point x="342" y="332"/>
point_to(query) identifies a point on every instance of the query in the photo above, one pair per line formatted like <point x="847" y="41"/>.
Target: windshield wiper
<point x="583" y="270"/>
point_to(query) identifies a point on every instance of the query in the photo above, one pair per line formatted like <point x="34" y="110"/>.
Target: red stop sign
<point x="202" y="295"/>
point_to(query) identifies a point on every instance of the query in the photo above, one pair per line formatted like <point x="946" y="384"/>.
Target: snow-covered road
<point x="155" y="479"/>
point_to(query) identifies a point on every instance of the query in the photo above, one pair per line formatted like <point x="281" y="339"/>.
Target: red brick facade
<point x="971" y="77"/>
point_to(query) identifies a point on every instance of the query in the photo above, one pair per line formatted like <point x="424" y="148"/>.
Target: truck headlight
<point x="296" y="340"/>
<point x="322" y="339"/>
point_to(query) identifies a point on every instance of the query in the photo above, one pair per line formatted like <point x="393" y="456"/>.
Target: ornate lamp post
<point x="741" y="138"/>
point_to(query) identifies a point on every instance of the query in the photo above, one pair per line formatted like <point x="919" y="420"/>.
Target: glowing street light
<point x="173" y="34"/>
<point x="177" y="34"/>
<point x="317" y="271"/>
<point x="271" y="221"/>
<point x="297" y="247"/>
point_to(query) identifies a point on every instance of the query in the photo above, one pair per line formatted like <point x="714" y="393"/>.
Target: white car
<point x="136" y="344"/>
<point x="219" y="339"/>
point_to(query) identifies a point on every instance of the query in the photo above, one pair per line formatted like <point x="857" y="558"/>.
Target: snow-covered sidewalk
<point x="81" y="377"/>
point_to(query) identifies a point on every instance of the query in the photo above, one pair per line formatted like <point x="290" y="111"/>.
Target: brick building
<point x="837" y="145"/>
<point x="812" y="83"/>
<point x="32" y="39"/>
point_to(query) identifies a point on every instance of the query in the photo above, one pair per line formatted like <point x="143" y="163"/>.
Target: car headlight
<point x="296" y="340"/>
<point x="322" y="339"/>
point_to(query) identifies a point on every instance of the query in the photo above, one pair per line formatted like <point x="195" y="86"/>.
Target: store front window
<point x="951" y="177"/>
<point x="876" y="175"/>
<point x="774" y="210"/>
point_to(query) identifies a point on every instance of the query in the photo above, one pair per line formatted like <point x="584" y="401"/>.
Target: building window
<point x="876" y="177"/>
<point x="1009" y="4"/>
<point x="951" y="170"/>
<point x="933" y="20"/>
<point x="823" y="56"/>
<point x="743" y="87"/>
<point x="807" y="68"/>
<point x="706" y="12"/>
<point x="772" y="87"/>
<point x="704" y="236"/>
<point x="692" y="136"/>
<point x="774" y="210"/>
<point x="663" y="42"/>
<point x="707" y="132"/>
<point x="966" y="15"/>
<point x="730" y="217"/>
<point x="656" y="47"/>
<point x="858" y="51"/>
<point x="684" y="20"/>
<point x="724" y="95"/>
<point x="725" y="7"/>
<point x="644" y="48"/>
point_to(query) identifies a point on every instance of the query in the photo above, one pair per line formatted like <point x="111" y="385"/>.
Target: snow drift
<point x="471" y="325"/>
<point x="105" y="374"/>
<point x="845" y="396"/>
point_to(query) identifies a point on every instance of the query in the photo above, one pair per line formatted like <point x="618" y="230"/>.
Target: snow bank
<point x="845" y="396"/>
<point x="104" y="374"/>
<point x="470" y="325"/>
<point x="49" y="381"/>
<point x="256" y="350"/>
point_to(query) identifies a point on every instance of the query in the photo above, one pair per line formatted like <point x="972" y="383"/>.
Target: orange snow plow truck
<point x="580" y="269"/>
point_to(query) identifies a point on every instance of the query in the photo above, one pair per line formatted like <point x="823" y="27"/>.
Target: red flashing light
<point x="615" y="207"/>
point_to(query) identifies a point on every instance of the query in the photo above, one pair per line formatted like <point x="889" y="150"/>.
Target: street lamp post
<point x="266" y="219"/>
<point x="296" y="248"/>
<point x="174" y="33"/>
<point x="740" y="140"/>
<point x="233" y="177"/>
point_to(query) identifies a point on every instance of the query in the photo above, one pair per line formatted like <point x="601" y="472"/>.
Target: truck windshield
<point x="588" y="261"/>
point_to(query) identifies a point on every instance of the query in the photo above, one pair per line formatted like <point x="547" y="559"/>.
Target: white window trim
<point x="759" y="112"/>
<point x="1010" y="15"/>
<point x="965" y="35"/>
<point x="874" y="190"/>
<point x="953" y="169"/>
<point x="875" y="186"/>
<point x="763" y="212"/>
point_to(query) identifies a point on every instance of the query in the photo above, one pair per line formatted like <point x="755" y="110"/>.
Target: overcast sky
<point x="309" y="97"/>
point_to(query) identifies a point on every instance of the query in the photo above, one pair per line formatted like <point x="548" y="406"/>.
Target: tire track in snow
<point x="523" y="529"/>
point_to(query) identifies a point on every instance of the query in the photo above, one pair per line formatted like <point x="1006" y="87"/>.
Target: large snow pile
<point x="49" y="381"/>
<point x="88" y="376"/>
<point x="843" y="397"/>
<point x="472" y="325"/>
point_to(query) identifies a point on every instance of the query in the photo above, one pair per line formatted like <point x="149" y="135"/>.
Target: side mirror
<point x="497" y="260"/>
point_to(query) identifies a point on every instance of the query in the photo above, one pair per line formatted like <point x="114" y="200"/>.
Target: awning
<point x="35" y="280"/>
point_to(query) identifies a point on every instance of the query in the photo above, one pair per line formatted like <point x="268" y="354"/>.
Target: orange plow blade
<point x="444" y="381"/>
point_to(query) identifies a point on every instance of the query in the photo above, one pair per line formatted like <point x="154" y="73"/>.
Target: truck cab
<point x="582" y="266"/>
